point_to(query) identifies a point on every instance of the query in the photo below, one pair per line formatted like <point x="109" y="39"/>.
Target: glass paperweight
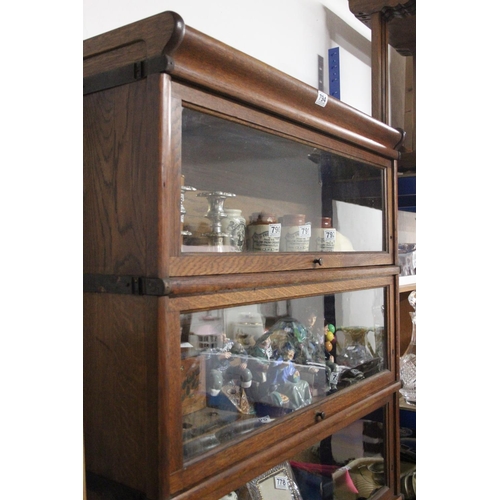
<point x="408" y="362"/>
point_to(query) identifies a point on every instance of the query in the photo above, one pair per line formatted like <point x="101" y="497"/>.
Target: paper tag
<point x="305" y="231"/>
<point x="275" y="230"/>
<point x="281" y="482"/>
<point x="322" y="99"/>
<point x="329" y="234"/>
<point x="266" y="419"/>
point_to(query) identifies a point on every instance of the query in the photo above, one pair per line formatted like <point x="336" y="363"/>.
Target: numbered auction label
<point x="275" y="230"/>
<point x="329" y="234"/>
<point x="305" y="231"/>
<point x="322" y="99"/>
<point x="281" y="482"/>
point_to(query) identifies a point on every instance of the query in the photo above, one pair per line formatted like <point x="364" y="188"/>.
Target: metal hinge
<point x="127" y="74"/>
<point x="131" y="285"/>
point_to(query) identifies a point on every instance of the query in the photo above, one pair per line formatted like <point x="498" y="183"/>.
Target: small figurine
<point x="261" y="354"/>
<point x="330" y="365"/>
<point x="284" y="378"/>
<point x="304" y="342"/>
<point x="225" y="364"/>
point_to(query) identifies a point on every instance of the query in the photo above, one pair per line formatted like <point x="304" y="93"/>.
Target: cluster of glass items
<point x="408" y="362"/>
<point x="244" y="367"/>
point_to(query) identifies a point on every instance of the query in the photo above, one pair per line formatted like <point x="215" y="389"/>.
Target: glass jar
<point x="263" y="233"/>
<point x="322" y="235"/>
<point x="234" y="227"/>
<point x="295" y="233"/>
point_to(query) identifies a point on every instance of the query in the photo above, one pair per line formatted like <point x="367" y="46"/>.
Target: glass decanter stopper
<point x="215" y="214"/>
<point x="408" y="362"/>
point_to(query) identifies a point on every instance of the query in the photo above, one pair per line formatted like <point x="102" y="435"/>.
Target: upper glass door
<point x="246" y="190"/>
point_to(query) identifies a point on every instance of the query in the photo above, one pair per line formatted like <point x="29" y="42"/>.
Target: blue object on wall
<point x="408" y="419"/>
<point x="407" y="193"/>
<point x="334" y="72"/>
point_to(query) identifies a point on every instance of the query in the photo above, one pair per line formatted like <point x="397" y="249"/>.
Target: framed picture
<point x="277" y="483"/>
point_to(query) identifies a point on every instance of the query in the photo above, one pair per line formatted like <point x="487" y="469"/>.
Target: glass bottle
<point x="408" y="362"/>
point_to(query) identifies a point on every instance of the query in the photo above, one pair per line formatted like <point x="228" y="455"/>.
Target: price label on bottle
<point x="281" y="482"/>
<point x="275" y="230"/>
<point x="305" y="231"/>
<point x="329" y="234"/>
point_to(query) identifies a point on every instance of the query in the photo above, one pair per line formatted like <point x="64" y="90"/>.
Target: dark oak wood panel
<point x="225" y="283"/>
<point x="268" y="294"/>
<point x="400" y="18"/>
<point x="144" y="38"/>
<point x="380" y="101"/>
<point x="230" y="263"/>
<point x="120" y="389"/>
<point x="120" y="190"/>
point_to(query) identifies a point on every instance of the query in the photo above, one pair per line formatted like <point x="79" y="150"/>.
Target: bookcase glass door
<point x="246" y="190"/>
<point x="246" y="367"/>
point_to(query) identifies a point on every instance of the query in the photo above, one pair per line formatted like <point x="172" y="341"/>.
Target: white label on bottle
<point x="295" y="238"/>
<point x="305" y="231"/>
<point x="275" y="230"/>
<point x="281" y="482"/>
<point x="322" y="99"/>
<point x="329" y="234"/>
<point x="264" y="237"/>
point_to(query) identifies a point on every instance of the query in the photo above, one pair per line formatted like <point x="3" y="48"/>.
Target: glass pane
<point x="246" y="366"/>
<point x="348" y="465"/>
<point x="245" y="190"/>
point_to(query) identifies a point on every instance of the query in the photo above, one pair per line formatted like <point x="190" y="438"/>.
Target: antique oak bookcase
<point x="179" y="131"/>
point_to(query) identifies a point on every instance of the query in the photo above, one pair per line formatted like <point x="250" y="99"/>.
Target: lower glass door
<point x="245" y="367"/>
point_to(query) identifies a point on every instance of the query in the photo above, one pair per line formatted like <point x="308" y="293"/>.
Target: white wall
<point x="286" y="34"/>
